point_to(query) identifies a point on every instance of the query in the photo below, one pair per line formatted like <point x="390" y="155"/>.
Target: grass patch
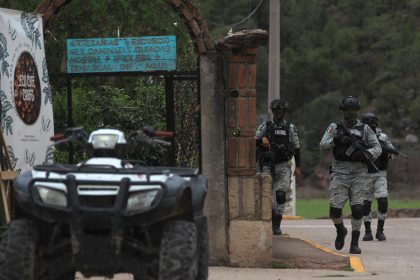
<point x="319" y="207"/>
<point x="312" y="208"/>
<point x="279" y="265"/>
<point x="348" y="268"/>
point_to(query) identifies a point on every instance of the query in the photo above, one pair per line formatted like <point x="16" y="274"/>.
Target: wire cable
<point x="236" y="23"/>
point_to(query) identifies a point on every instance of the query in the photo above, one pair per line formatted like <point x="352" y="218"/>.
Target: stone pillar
<point x="213" y="155"/>
<point x="250" y="235"/>
<point x="240" y="111"/>
<point x="249" y="196"/>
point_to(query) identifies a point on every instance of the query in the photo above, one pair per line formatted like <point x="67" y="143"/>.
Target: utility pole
<point x="274" y="82"/>
<point x="274" y="52"/>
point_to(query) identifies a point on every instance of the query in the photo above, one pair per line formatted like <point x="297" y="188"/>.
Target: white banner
<point x="26" y="108"/>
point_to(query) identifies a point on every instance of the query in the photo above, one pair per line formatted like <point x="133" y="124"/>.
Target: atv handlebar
<point x="160" y="133"/>
<point x="151" y="132"/>
<point x="148" y="135"/>
<point x="70" y="134"/>
<point x="145" y="135"/>
<point x="161" y="142"/>
<point x="57" y="137"/>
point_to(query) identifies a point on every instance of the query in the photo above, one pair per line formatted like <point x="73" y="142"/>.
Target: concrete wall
<point x="213" y="154"/>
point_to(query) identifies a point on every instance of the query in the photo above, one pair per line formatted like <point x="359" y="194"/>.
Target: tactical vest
<point x="281" y="148"/>
<point x="339" y="151"/>
<point x="381" y="162"/>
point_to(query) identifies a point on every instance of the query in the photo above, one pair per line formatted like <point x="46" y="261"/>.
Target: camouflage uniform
<point x="281" y="173"/>
<point x="377" y="188"/>
<point x="349" y="179"/>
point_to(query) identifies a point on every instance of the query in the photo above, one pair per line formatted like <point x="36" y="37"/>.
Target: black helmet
<point x="278" y="104"/>
<point x="350" y="102"/>
<point x="370" y="119"/>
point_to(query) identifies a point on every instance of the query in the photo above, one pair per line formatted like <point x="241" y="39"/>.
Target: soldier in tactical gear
<point x="377" y="186"/>
<point x="354" y="145"/>
<point x="280" y="138"/>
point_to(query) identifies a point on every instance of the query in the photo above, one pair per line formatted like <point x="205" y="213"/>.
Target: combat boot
<point x="354" y="245"/>
<point x="275" y="223"/>
<point x="368" y="232"/>
<point x="341" y="235"/>
<point x="380" y="231"/>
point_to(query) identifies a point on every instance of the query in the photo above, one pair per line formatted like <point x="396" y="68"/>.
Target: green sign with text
<point x="131" y="54"/>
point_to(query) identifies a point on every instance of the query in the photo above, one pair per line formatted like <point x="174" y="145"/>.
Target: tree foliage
<point x="329" y="49"/>
<point x="334" y="48"/>
<point x="224" y="16"/>
<point x="125" y="103"/>
<point x="368" y="49"/>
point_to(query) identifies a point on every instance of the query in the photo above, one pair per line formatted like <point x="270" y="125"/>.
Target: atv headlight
<point x="104" y="141"/>
<point x="141" y="200"/>
<point x="52" y="197"/>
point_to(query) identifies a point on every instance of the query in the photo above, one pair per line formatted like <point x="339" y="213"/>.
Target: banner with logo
<point x="26" y="109"/>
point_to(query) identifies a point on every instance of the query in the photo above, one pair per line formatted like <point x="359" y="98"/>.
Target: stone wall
<point x="249" y="195"/>
<point x="250" y="235"/>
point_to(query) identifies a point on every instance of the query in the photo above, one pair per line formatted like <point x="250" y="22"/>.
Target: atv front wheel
<point x="150" y="270"/>
<point x="203" y="253"/>
<point x="3" y="244"/>
<point x="20" y="251"/>
<point x="178" y="252"/>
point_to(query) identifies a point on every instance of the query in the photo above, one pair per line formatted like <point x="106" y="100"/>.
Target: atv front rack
<point x="146" y="170"/>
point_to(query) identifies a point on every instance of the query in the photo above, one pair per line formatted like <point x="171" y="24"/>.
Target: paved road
<point x="396" y="258"/>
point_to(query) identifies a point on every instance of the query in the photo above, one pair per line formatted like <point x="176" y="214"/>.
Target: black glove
<point x="343" y="140"/>
<point x="357" y="156"/>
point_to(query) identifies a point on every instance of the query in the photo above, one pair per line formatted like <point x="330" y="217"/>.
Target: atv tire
<point x="178" y="252"/>
<point x="69" y="274"/>
<point x="3" y="244"/>
<point x="20" y="260"/>
<point x="150" y="271"/>
<point x="203" y="253"/>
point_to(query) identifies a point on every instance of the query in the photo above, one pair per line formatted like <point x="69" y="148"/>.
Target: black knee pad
<point x="335" y="213"/>
<point x="383" y="204"/>
<point x="280" y="197"/>
<point x="357" y="211"/>
<point x="367" y="207"/>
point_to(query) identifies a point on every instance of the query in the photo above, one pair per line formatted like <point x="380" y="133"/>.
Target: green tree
<point x="127" y="103"/>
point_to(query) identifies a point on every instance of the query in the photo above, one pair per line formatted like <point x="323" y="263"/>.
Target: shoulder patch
<point x="382" y="136"/>
<point x="330" y="129"/>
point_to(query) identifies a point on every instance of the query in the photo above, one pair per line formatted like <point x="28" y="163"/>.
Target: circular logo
<point x="27" y="89"/>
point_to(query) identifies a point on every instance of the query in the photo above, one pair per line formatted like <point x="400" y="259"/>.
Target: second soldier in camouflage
<point x="281" y="139"/>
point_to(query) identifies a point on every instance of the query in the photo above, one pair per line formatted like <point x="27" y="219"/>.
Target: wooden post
<point x="6" y="178"/>
<point x="5" y="209"/>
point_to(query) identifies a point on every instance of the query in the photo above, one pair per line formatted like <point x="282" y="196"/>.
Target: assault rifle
<point x="390" y="150"/>
<point x="358" y="145"/>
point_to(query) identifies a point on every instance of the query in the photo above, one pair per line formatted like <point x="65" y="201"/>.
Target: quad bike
<point x="107" y="215"/>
